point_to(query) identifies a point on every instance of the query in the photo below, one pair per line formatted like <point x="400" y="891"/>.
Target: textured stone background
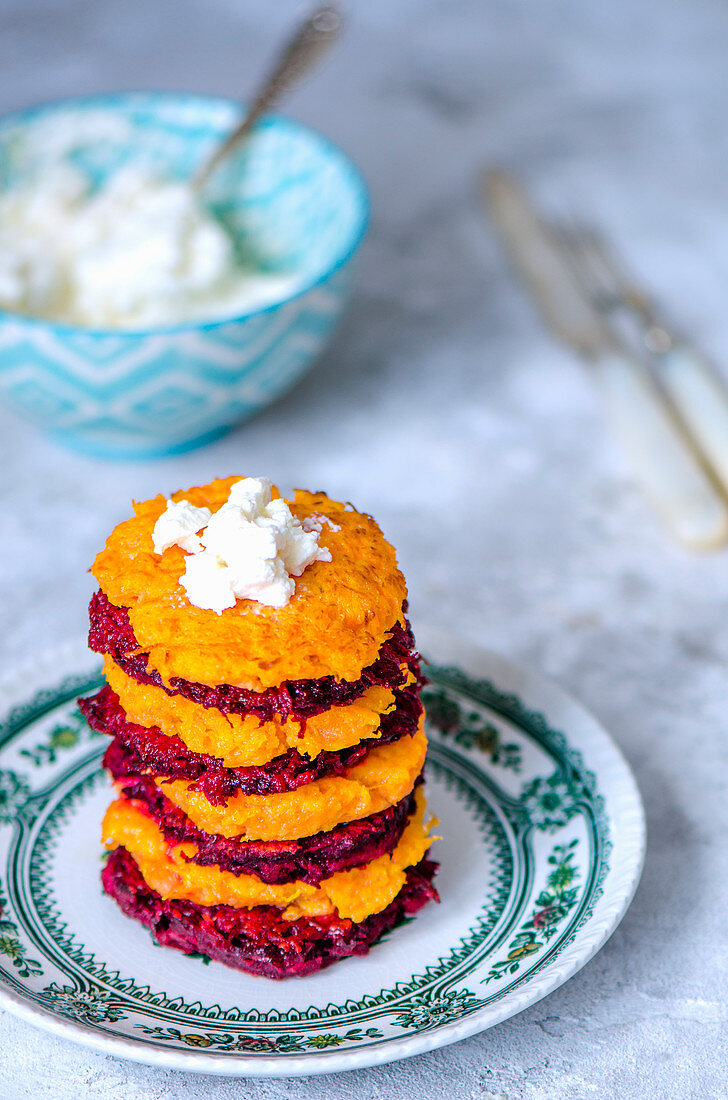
<point x="445" y="410"/>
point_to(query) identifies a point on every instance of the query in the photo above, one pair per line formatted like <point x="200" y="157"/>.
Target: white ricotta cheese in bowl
<point x="139" y="252"/>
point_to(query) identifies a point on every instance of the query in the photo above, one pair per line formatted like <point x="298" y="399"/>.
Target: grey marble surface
<point x="444" y="409"/>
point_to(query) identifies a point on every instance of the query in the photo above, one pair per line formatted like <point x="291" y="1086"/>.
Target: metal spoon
<point x="303" y="48"/>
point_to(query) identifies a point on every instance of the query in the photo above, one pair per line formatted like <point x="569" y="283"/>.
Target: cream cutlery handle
<point x="662" y="459"/>
<point x="702" y="401"/>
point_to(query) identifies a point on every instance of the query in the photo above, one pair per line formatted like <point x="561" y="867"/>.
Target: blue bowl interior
<point x="293" y="200"/>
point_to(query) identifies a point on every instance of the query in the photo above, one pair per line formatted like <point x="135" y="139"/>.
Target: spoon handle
<point x="305" y="46"/>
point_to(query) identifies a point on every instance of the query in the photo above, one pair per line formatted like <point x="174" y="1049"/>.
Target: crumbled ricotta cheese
<point x="138" y="252"/>
<point x="178" y="524"/>
<point x="251" y="548"/>
<point x="315" y="522"/>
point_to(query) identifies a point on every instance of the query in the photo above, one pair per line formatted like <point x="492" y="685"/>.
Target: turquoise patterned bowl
<point x="300" y="204"/>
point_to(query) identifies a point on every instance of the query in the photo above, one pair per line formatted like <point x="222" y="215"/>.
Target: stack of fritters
<point x="268" y="761"/>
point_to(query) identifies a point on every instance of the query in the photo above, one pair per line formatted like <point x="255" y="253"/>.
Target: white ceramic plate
<point x="543" y="843"/>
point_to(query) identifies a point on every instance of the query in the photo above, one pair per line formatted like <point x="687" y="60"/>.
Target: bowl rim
<point x="108" y="99"/>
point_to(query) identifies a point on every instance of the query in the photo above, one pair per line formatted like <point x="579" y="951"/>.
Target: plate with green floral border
<point x="543" y="843"/>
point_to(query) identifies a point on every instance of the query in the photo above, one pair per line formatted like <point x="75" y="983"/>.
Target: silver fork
<point x="697" y="392"/>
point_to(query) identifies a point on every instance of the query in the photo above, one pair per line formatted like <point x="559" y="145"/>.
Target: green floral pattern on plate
<point x="258" y="1044"/>
<point x="553" y="905"/>
<point x="468" y="728"/>
<point x="14" y="792"/>
<point x="13" y="948"/>
<point x="65" y="735"/>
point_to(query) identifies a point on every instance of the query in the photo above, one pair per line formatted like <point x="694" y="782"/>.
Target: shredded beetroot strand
<point x="259" y="940"/>
<point x="310" y="859"/>
<point x="139" y="749"/>
<point x="112" y="633"/>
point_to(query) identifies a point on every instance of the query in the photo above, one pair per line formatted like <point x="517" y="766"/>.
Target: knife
<point x="663" y="461"/>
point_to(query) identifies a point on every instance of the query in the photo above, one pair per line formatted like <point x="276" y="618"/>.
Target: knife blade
<point x="539" y="261"/>
<point x="667" y="467"/>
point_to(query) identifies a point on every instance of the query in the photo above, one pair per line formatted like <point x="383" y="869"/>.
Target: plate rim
<point x="537" y="692"/>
